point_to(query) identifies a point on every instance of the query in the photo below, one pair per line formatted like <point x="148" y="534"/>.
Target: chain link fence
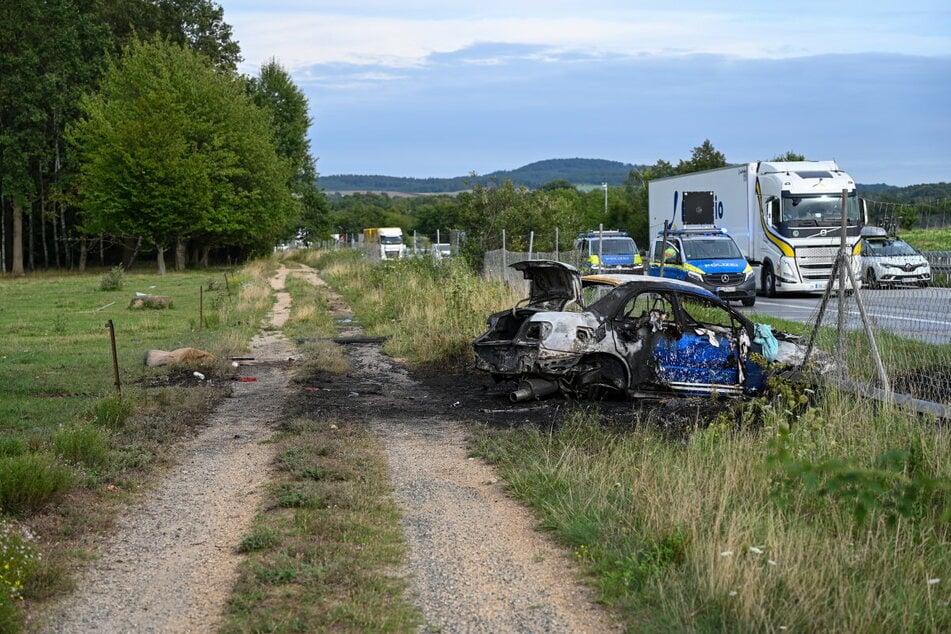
<point x="497" y="265"/>
<point x="892" y="343"/>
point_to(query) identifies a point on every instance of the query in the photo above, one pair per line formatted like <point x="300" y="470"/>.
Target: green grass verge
<point x="835" y="523"/>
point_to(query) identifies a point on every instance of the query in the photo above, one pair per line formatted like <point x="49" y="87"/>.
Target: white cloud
<point x="303" y="38"/>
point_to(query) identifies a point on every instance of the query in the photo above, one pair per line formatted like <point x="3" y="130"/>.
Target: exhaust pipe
<point x="533" y="389"/>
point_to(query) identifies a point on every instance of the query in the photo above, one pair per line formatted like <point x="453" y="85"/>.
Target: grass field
<point x="70" y="444"/>
<point x="928" y="239"/>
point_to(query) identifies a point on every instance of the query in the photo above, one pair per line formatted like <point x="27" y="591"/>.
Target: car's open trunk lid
<point x="551" y="284"/>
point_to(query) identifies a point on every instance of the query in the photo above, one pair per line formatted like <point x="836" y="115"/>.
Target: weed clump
<point x="18" y="563"/>
<point x="114" y="280"/>
<point x="30" y="481"/>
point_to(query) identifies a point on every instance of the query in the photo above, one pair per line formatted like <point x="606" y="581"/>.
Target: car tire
<point x="748" y="301"/>
<point x="769" y="281"/>
<point x="870" y="280"/>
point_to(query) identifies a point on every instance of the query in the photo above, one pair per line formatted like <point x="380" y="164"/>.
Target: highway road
<point x="917" y="313"/>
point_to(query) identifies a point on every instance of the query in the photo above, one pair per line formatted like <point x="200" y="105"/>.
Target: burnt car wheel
<point x="605" y="378"/>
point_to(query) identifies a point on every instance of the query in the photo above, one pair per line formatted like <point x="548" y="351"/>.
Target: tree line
<point x="557" y="210"/>
<point x="125" y="127"/>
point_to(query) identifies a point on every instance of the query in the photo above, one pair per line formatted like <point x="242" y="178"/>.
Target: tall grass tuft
<point x="29" y="482"/>
<point x="430" y="310"/>
<point x="112" y="412"/>
<point x="83" y="444"/>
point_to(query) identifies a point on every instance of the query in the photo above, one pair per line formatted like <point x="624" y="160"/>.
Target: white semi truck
<point x="385" y="242"/>
<point x="786" y="217"/>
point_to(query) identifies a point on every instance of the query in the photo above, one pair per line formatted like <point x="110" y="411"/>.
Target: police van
<point x="706" y="256"/>
<point x="609" y="252"/>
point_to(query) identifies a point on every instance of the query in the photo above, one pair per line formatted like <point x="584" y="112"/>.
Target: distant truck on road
<point x="385" y="242"/>
<point x="785" y="217"/>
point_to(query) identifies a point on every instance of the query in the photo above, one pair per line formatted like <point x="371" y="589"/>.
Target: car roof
<point x="648" y="281"/>
<point x="612" y="279"/>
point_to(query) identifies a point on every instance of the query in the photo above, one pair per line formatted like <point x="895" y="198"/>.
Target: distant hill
<point x="577" y="171"/>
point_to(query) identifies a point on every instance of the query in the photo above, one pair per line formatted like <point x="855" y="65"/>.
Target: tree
<point x="48" y="51"/>
<point x="703" y="157"/>
<point x="274" y="91"/>
<point x="172" y="149"/>
<point x="789" y="156"/>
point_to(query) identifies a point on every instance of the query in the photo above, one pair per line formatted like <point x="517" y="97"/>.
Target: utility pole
<point x="604" y="186"/>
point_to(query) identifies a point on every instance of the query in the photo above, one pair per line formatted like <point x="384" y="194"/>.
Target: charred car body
<point x="643" y="337"/>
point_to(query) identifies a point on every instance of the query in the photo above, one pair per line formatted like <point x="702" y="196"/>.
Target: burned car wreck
<point x="635" y="337"/>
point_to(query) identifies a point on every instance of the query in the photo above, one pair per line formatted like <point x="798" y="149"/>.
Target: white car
<point x="890" y="261"/>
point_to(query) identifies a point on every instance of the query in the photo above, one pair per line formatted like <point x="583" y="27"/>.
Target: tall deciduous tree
<point x="703" y="157"/>
<point x="275" y="91"/>
<point x="171" y="148"/>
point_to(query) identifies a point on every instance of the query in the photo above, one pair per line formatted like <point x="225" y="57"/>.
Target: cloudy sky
<point x="434" y="88"/>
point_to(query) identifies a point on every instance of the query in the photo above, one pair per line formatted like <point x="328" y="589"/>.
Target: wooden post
<point x="201" y="307"/>
<point x="115" y="356"/>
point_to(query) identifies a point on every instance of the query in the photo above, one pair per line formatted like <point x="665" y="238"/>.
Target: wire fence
<point x="497" y="265"/>
<point x="891" y="344"/>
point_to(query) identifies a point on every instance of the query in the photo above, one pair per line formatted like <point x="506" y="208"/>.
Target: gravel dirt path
<point x="476" y="562"/>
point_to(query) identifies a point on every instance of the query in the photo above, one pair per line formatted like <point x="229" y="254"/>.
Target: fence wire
<point x="497" y="265"/>
<point x="910" y="330"/>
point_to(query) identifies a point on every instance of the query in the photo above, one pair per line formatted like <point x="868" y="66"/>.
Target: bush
<point x="31" y="481"/>
<point x="114" y="280"/>
<point x="82" y="444"/>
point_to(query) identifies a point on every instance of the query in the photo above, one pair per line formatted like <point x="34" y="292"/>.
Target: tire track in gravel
<point x="171" y="563"/>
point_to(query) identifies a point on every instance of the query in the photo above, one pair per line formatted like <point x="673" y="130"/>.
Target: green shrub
<point x="262" y="538"/>
<point x="114" y="280"/>
<point x="82" y="444"/>
<point x="112" y="412"/>
<point x="31" y="481"/>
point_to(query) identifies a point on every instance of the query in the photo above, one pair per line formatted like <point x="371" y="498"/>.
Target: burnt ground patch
<point x="379" y="387"/>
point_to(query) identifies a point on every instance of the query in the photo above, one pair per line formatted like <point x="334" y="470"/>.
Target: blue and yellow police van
<point x="706" y="256"/>
<point x="606" y="251"/>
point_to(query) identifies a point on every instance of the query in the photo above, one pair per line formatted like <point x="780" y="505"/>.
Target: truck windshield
<point x="818" y="210"/>
<point x="613" y="246"/>
<point x="391" y="240"/>
<point x="711" y="249"/>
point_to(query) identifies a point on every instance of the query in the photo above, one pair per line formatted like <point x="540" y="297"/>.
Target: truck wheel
<point x="769" y="281"/>
<point x="748" y="301"/>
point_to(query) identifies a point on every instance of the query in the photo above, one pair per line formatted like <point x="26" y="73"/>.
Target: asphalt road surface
<point x="918" y="313"/>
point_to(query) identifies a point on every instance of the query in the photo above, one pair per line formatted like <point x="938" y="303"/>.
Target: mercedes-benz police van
<point x="706" y="256"/>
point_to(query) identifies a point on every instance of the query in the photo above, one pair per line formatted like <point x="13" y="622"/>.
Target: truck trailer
<point x="786" y="217"/>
